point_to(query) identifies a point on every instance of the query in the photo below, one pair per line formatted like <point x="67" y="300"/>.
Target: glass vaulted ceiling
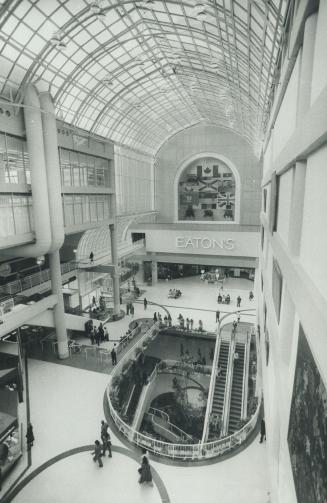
<point x="139" y="71"/>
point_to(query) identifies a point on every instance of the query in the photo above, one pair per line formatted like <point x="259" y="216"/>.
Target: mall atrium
<point x="163" y="265"/>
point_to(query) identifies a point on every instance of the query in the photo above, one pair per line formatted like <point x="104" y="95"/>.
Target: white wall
<point x="286" y="120"/>
<point x="284" y="204"/>
<point x="313" y="253"/>
<point x="319" y="76"/>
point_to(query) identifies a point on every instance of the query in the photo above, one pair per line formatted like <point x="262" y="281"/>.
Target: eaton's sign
<point x="205" y="243"/>
<point x="195" y="242"/>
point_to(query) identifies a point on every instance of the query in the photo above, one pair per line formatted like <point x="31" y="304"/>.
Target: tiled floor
<point x="67" y="406"/>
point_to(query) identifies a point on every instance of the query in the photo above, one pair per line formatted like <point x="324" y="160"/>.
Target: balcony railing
<point x="32" y="280"/>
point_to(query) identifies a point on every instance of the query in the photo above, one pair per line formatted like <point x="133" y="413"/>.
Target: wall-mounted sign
<point x="204" y="243"/>
<point x="194" y="242"/>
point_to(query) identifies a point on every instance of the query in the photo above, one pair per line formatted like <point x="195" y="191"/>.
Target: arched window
<point x="207" y="191"/>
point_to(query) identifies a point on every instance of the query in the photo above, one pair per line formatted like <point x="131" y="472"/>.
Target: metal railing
<point x="178" y="432"/>
<point x="201" y="450"/>
<point x="6" y="306"/>
<point x="35" y="279"/>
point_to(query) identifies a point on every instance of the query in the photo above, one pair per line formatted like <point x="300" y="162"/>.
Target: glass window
<point x="7" y="224"/>
<point x="21" y="214"/>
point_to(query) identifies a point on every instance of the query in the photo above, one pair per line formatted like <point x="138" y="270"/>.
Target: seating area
<point x="174" y="293"/>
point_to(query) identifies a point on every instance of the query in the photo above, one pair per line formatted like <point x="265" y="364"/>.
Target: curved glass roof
<point x="139" y="71"/>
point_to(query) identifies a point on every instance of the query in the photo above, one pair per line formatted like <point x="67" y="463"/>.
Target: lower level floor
<point x="67" y="406"/>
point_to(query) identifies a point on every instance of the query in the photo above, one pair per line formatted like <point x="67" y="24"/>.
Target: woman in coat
<point x="145" y="471"/>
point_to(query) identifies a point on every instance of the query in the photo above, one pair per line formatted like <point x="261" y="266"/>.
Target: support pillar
<point x="59" y="312"/>
<point x="154" y="269"/>
<point x="115" y="274"/>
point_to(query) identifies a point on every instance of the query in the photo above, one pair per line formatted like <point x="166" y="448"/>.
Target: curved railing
<point x="184" y="451"/>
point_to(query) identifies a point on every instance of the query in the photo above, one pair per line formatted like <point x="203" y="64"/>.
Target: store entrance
<point x="210" y="273"/>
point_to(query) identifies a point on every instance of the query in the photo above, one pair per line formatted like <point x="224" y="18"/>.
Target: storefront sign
<point x="204" y="243"/>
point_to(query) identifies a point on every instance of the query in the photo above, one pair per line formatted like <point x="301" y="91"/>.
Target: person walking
<point x="217" y="316"/>
<point x="191" y="323"/>
<point x="155" y="319"/>
<point x="113" y="356"/>
<point x="97" y="453"/>
<point x="106" y="444"/>
<point x="169" y="320"/>
<point x="145" y="471"/>
<point x="91" y="257"/>
<point x="239" y="299"/>
<point x="200" y="326"/>
<point x="29" y="436"/>
<point x="238" y="316"/>
<point x="262" y="431"/>
<point x="127" y="308"/>
<point x="145" y="303"/>
<point x="131" y="310"/>
<point x="97" y="336"/>
<point x="187" y="324"/>
<point x="106" y="334"/>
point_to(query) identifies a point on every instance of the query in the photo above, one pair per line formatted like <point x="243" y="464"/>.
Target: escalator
<point x="219" y="393"/>
<point x="235" y="409"/>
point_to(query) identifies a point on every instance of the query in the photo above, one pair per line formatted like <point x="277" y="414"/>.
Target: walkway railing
<point x="185" y="451"/>
<point x="35" y="279"/>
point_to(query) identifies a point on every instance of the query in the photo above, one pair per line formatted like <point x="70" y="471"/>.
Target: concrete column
<point x="154" y="269"/>
<point x="304" y="96"/>
<point x="59" y="312"/>
<point x="53" y="169"/>
<point x="115" y="273"/>
<point x="294" y="237"/>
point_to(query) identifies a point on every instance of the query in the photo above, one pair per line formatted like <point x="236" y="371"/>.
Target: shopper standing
<point x="106" y="444"/>
<point x="262" y="431"/>
<point x="97" y="336"/>
<point x="104" y="429"/>
<point x="113" y="356"/>
<point x="29" y="436"/>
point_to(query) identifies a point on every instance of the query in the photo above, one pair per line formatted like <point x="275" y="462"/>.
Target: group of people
<point x="130" y="309"/>
<point x="100" y="449"/>
<point x="96" y="334"/>
<point x="174" y="293"/>
<point x="188" y="323"/>
<point x="166" y="320"/>
<point x="223" y="299"/>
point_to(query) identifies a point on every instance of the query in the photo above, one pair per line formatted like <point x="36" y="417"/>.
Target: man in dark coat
<point x="262" y="430"/>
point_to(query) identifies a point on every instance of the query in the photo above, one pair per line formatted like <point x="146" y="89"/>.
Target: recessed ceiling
<point x="139" y="71"/>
